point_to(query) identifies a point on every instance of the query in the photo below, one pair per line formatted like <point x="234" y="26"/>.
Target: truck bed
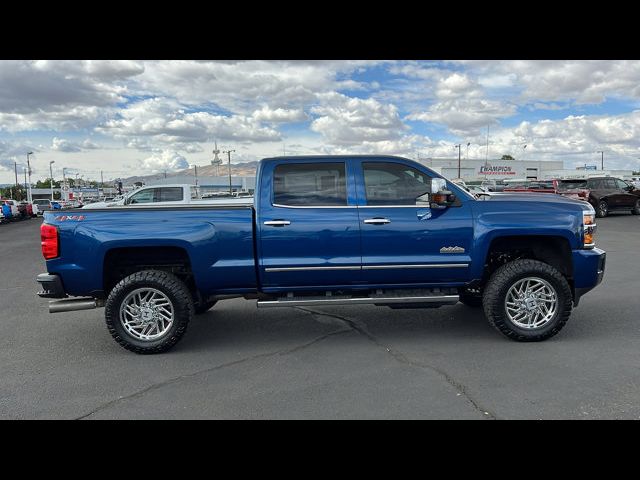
<point x="218" y="240"/>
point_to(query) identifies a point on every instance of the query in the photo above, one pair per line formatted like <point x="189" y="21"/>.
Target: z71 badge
<point x="452" y="250"/>
<point x="64" y="218"/>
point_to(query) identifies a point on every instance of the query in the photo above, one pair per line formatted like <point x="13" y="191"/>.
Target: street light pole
<point x="458" y="146"/>
<point x="29" y="195"/>
<point x="51" y="172"/>
<point x="228" y="152"/>
<point x="601" y="159"/>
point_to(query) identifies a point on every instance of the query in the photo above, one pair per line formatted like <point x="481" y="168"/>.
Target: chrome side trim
<point x="427" y="205"/>
<point x="430" y="265"/>
<point x="365" y="267"/>
<point x="313" y="206"/>
<point x="443" y="299"/>
<point x="350" y="206"/>
<point x="303" y="269"/>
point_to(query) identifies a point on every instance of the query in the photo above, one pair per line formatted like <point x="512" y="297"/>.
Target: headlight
<point x="589" y="225"/>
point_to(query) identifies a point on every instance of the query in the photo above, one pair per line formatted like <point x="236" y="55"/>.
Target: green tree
<point x="507" y="157"/>
<point x="47" y="184"/>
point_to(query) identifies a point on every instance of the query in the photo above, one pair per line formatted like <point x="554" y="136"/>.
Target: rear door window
<point x="169" y="194"/>
<point x="310" y="184"/>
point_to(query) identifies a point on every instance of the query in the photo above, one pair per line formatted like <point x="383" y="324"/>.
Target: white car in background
<point x="15" y="212"/>
<point x="178" y="194"/>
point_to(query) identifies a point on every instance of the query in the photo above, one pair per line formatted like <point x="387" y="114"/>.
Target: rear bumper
<point x="588" y="271"/>
<point x="51" y="286"/>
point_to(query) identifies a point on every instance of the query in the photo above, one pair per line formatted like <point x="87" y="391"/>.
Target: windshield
<point x="469" y="194"/>
<point x="564" y="185"/>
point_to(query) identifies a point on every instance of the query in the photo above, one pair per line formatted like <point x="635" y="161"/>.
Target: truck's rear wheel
<point x="527" y="300"/>
<point x="148" y="312"/>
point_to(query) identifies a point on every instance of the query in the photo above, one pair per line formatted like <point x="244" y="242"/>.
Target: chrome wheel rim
<point x="603" y="208"/>
<point x="531" y="303"/>
<point x="146" y="314"/>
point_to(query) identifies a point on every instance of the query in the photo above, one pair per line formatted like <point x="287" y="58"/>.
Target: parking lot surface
<point x="323" y="363"/>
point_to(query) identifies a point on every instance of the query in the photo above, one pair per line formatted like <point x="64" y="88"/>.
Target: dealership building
<point x="478" y="170"/>
<point x="473" y="170"/>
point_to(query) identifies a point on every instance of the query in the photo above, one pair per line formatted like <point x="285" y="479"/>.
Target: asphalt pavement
<point x="358" y="362"/>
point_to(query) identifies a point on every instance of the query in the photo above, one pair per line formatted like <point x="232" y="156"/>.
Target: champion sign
<point x="496" y="170"/>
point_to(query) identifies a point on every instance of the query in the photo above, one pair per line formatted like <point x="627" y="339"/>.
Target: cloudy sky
<point x="138" y="117"/>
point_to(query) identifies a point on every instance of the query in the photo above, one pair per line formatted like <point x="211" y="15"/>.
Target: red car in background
<point x="531" y="186"/>
<point x="571" y="188"/>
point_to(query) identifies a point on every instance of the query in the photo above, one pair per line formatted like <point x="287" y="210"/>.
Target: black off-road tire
<point x="204" y="307"/>
<point x="471" y="300"/>
<point x="168" y="284"/>
<point x="501" y="281"/>
<point x="636" y="208"/>
<point x="602" y="209"/>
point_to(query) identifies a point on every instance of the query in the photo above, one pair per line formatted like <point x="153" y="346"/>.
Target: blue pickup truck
<point x="326" y="230"/>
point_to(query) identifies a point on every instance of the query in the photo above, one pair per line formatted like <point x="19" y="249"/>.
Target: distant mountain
<point x="247" y="169"/>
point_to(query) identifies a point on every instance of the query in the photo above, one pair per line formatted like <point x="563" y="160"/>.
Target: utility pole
<point x="15" y="167"/>
<point x="29" y="195"/>
<point x="51" y="172"/>
<point x="65" y="190"/>
<point x="458" y="146"/>
<point x="228" y="152"/>
<point x="486" y="158"/>
<point x="601" y="159"/>
<point x="195" y="169"/>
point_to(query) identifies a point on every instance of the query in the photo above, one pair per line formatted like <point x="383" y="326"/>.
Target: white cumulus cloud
<point x="164" y="160"/>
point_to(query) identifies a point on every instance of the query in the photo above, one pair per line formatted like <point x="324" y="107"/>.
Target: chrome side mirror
<point x="440" y="196"/>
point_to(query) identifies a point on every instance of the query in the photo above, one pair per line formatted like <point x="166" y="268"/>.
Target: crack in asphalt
<point x="400" y="357"/>
<point x="169" y="381"/>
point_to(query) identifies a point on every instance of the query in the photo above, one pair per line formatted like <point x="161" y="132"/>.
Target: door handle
<point x="277" y="223"/>
<point x="377" y="221"/>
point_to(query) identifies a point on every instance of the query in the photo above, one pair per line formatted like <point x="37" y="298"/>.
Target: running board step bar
<point x="443" y="296"/>
<point x="74" y="304"/>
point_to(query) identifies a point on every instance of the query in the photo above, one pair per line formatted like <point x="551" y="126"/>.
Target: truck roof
<point x="332" y="157"/>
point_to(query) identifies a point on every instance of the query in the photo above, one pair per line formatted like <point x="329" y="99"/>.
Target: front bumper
<point x="51" y="286"/>
<point x="588" y="271"/>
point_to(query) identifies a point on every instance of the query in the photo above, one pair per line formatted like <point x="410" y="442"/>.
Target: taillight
<point x="49" y="241"/>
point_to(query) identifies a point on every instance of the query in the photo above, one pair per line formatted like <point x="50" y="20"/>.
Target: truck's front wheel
<point x="148" y="312"/>
<point x="527" y="300"/>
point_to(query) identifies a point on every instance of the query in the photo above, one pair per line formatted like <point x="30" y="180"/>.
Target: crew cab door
<point x="307" y="224"/>
<point x="404" y="241"/>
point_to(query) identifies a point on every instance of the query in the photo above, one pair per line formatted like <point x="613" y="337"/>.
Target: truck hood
<point x="535" y="197"/>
